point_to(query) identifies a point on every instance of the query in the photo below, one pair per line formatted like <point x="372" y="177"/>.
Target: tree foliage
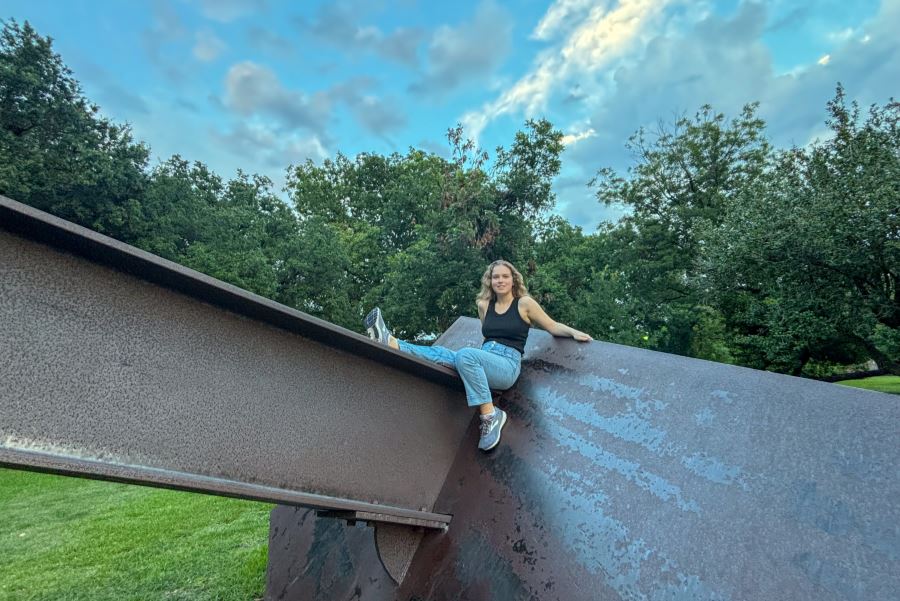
<point x="56" y="152"/>
<point x="806" y="266"/>
<point x="684" y="179"/>
<point x="730" y="251"/>
<point x="421" y="227"/>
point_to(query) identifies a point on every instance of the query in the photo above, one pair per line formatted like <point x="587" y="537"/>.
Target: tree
<point x="246" y="236"/>
<point x="176" y="207"/>
<point x="419" y="229"/>
<point x="806" y="266"/>
<point x="56" y="153"/>
<point x="570" y="276"/>
<point x="236" y="231"/>
<point x="684" y="179"/>
<point x="316" y="274"/>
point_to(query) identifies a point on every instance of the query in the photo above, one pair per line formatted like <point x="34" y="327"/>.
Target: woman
<point x="506" y="313"/>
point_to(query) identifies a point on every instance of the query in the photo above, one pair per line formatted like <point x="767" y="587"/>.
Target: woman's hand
<point x="581" y="336"/>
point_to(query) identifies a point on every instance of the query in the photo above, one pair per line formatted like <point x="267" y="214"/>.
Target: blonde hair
<point x="487" y="292"/>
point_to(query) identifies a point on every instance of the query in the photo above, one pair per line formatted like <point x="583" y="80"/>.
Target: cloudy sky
<point x="261" y="84"/>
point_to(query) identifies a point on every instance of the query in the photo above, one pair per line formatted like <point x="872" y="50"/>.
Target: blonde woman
<point x="507" y="313"/>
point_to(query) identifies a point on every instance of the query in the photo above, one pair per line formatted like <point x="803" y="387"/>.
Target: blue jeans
<point x="493" y="366"/>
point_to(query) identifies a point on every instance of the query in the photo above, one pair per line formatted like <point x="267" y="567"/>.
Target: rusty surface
<point x="313" y="558"/>
<point x="152" y="380"/>
<point x="162" y="478"/>
<point x="359" y="515"/>
<point x="630" y="474"/>
<point x="319" y="559"/>
<point x="626" y="474"/>
<point x="397" y="545"/>
<point x="40" y="226"/>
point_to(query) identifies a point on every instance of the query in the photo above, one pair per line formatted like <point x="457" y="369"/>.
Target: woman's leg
<point x="480" y="371"/>
<point x="379" y="331"/>
<point x="437" y="354"/>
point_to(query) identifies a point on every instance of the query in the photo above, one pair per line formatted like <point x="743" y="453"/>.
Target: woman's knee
<point x="467" y="357"/>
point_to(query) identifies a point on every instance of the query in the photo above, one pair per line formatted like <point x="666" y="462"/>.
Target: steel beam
<point x="119" y="365"/>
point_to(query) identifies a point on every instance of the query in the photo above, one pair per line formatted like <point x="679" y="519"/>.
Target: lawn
<point x="68" y="539"/>
<point x="889" y="384"/>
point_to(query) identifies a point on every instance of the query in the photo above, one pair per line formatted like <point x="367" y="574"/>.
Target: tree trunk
<point x="855" y="375"/>
<point x="803" y="359"/>
<point x="884" y="362"/>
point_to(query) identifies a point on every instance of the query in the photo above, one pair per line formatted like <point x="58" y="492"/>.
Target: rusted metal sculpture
<point x="622" y="474"/>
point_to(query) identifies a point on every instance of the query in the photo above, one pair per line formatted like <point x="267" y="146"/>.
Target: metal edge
<point x="160" y="478"/>
<point x="370" y="516"/>
<point x="34" y="224"/>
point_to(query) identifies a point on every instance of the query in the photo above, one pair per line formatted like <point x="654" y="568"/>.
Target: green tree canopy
<point x="419" y="229"/>
<point x="685" y="177"/>
<point x="806" y="266"/>
<point x="730" y="252"/>
<point x="56" y="152"/>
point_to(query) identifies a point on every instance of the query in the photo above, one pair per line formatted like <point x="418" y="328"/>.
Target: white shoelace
<point x="487" y="425"/>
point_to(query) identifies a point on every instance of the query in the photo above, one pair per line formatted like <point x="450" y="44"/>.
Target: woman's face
<point x="501" y="279"/>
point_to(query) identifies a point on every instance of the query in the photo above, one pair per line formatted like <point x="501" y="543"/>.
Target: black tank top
<point x="508" y="329"/>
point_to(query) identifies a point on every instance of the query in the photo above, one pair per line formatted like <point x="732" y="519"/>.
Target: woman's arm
<point x="539" y="318"/>
<point x="482" y="309"/>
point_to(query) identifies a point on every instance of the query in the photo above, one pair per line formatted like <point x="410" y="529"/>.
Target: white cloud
<point x="824" y="60"/>
<point x="269" y="41"/>
<point x="336" y="24"/>
<point x="208" y="47"/>
<point x="262" y="145"/>
<point x="603" y="37"/>
<point x="570" y="139"/>
<point x="673" y="68"/>
<point x="379" y="116"/>
<point x="251" y="89"/>
<point x="561" y="14"/>
<point x="298" y="150"/>
<point x="165" y="30"/>
<point x="842" y="35"/>
<point x="469" y="52"/>
<point x="255" y="93"/>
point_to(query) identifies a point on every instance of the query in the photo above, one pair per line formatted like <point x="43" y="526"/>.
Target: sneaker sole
<point x="371" y="323"/>
<point x="499" y="431"/>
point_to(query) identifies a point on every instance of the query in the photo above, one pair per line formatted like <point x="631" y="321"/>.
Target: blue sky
<point x="262" y="84"/>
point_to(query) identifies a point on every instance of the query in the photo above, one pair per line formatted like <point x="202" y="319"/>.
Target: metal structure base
<point x="625" y="474"/>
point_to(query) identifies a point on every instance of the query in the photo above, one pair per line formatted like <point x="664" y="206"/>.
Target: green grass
<point x="68" y="539"/>
<point x="889" y="384"/>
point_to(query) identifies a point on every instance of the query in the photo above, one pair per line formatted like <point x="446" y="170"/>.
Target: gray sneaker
<point x="376" y="327"/>
<point x="490" y="430"/>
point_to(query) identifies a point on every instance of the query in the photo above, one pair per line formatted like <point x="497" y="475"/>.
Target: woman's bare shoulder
<point x="527" y="301"/>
